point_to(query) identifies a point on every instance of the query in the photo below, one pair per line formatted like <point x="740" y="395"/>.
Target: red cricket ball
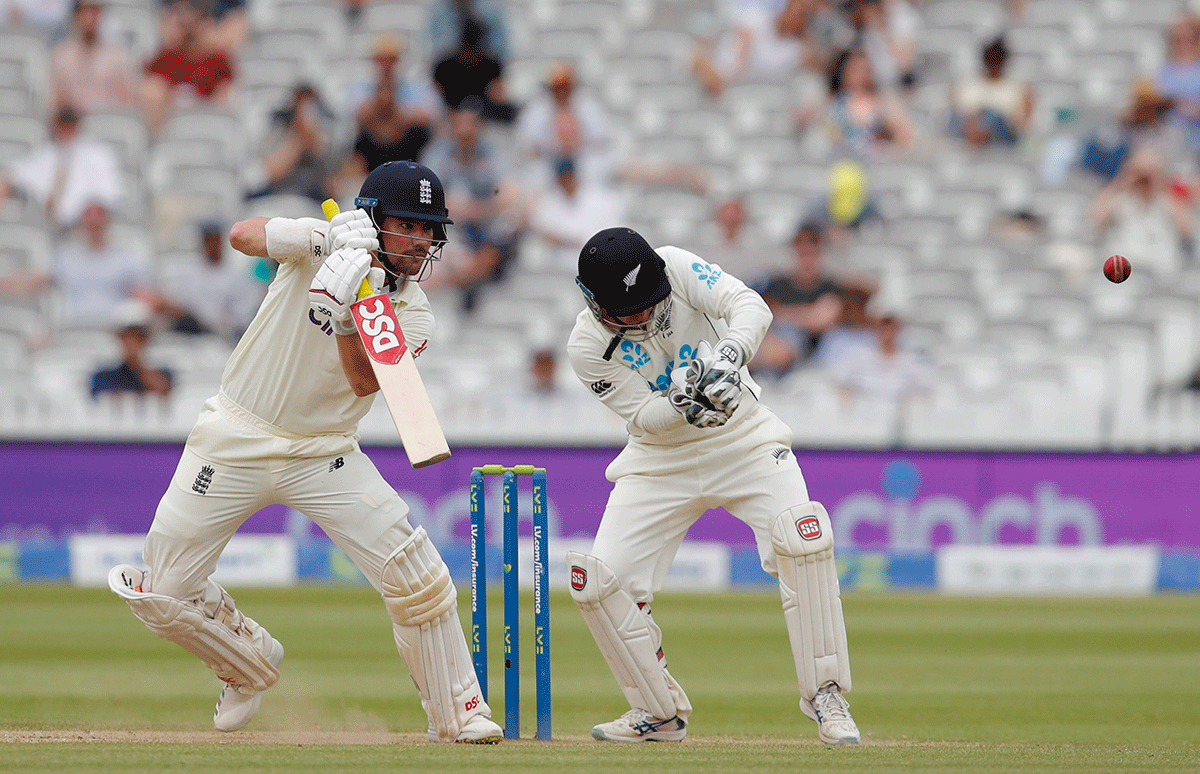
<point x="1117" y="268"/>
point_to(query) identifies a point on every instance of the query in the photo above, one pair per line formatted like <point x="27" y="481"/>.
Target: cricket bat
<point x="399" y="381"/>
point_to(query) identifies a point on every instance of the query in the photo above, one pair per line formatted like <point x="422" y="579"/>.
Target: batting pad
<point x="231" y="644"/>
<point x="627" y="638"/>
<point x="423" y="604"/>
<point x="812" y="605"/>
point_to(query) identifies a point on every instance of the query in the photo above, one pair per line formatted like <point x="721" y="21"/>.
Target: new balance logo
<point x="203" y="479"/>
<point x="780" y="454"/>
<point x="339" y="462"/>
<point x="426" y="192"/>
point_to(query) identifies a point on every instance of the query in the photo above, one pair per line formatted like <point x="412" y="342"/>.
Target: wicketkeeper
<point x="698" y="439"/>
<point x="283" y="429"/>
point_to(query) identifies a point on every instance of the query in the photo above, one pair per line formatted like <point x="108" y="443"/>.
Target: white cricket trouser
<point x="230" y="469"/>
<point x="660" y="491"/>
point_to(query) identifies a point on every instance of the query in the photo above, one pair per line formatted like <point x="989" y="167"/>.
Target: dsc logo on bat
<point x="381" y="334"/>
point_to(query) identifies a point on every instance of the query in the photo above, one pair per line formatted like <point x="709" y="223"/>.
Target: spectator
<point x="469" y="72"/>
<point x="67" y="172"/>
<point x="887" y="31"/>
<point x="187" y="69"/>
<point x="42" y="16"/>
<point x="566" y="122"/>
<point x="416" y="100"/>
<point x="994" y="107"/>
<point x="810" y="308"/>
<point x="296" y="151"/>
<point x="1179" y="76"/>
<point x="1141" y="218"/>
<point x="93" y="276"/>
<point x="762" y="41"/>
<point x="446" y="19"/>
<point x="482" y="201"/>
<point x="882" y="371"/>
<point x="229" y="26"/>
<point x="568" y="214"/>
<point x="219" y="294"/>
<point x="133" y="375"/>
<point x="1105" y="148"/>
<point x="742" y="251"/>
<point x="88" y="72"/>
<point x="394" y="119"/>
<point x="863" y="121"/>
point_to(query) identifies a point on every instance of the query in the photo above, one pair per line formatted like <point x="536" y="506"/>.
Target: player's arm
<point x="626" y="393"/>
<point x="286" y="240"/>
<point x="356" y="365"/>
<point x="417" y="325"/>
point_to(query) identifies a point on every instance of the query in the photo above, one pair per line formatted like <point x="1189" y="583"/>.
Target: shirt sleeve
<point x="719" y="295"/>
<point x="623" y="390"/>
<point x="415" y="316"/>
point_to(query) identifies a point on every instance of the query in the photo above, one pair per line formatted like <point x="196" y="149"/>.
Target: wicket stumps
<point x="541" y="593"/>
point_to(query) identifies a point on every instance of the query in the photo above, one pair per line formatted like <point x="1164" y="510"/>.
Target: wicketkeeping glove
<point x="335" y="287"/>
<point x="715" y="374"/>
<point x="352" y="228"/>
<point x="696" y="410"/>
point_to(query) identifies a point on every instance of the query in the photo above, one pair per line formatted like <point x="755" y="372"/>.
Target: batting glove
<point x="352" y="228"/>
<point x="337" y="283"/>
<point x="715" y="374"/>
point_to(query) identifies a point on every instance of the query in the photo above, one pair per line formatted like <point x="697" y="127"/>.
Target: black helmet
<point x="405" y="189"/>
<point x="620" y="275"/>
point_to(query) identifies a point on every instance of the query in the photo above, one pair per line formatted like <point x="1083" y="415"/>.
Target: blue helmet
<point x="405" y="189"/>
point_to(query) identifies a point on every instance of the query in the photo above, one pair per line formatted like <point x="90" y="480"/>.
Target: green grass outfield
<point x="942" y="685"/>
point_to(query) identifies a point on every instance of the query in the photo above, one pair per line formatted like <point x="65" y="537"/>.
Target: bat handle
<point x="330" y="208"/>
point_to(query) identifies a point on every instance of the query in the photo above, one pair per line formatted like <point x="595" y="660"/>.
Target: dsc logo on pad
<point x="809" y="527"/>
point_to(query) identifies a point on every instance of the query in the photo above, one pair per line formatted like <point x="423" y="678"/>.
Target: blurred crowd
<point x="531" y="173"/>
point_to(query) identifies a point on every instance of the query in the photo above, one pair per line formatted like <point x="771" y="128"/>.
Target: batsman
<point x="283" y="429"/>
<point x="663" y="342"/>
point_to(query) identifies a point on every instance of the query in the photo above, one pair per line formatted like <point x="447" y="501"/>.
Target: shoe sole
<point x="484" y="740"/>
<point x="849" y="740"/>
<point x="599" y="735"/>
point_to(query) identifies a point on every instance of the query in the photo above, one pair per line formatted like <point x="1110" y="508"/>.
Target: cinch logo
<point x="578" y="578"/>
<point x="472" y="704"/>
<point x="381" y="332"/>
<point x="809" y="527"/>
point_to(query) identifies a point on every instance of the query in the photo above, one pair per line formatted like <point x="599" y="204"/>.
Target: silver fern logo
<point x="631" y="277"/>
<point x="426" y="192"/>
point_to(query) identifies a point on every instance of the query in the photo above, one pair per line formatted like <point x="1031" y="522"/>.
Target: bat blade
<point x="399" y="381"/>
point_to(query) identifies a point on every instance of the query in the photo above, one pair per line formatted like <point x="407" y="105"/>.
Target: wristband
<point x="294" y="239"/>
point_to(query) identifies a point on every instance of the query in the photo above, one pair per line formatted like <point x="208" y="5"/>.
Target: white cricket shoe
<point x="478" y="730"/>
<point x="832" y="713"/>
<point x="236" y="706"/>
<point x="638" y="725"/>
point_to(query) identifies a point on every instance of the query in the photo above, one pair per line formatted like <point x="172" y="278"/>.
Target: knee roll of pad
<point x="417" y="587"/>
